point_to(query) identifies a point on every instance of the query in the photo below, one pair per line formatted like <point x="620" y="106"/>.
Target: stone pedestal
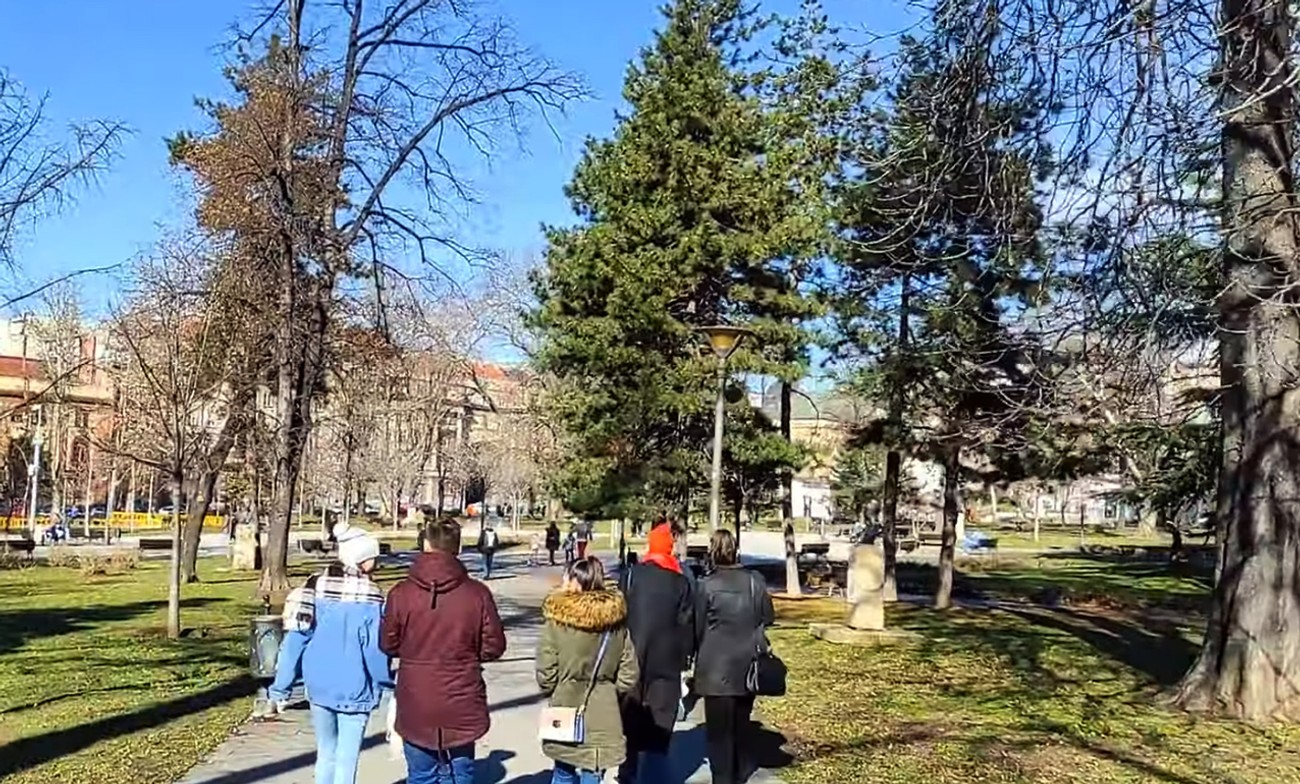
<point x="866" y="588"/>
<point x="243" y="551"/>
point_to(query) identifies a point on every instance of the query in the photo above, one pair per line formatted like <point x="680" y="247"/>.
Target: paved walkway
<point x="282" y="751"/>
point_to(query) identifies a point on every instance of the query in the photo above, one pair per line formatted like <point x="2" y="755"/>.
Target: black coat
<point x="732" y="607"/>
<point x="552" y="537"/>
<point x="661" y="620"/>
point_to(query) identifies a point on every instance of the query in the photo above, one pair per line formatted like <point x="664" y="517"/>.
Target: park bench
<point x="17" y="544"/>
<point x="313" y="546"/>
<point x="155" y="543"/>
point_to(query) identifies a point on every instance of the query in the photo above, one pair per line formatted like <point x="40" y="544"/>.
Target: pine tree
<point x="685" y="221"/>
<point x="942" y="232"/>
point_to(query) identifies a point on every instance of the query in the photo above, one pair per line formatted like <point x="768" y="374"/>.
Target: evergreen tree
<point x="685" y="220"/>
<point x="942" y="231"/>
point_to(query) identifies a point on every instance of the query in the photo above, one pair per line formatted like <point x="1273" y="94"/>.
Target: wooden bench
<point x="313" y="546"/>
<point x="155" y="543"/>
<point x="18" y="544"/>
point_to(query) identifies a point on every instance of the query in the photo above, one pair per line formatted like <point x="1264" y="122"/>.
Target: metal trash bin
<point x="264" y="636"/>
<point x="265" y="633"/>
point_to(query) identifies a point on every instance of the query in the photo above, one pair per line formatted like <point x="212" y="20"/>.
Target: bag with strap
<point x="567" y="725"/>
<point x="767" y="673"/>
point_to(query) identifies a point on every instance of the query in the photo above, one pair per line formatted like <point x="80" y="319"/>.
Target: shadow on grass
<point x="20" y="626"/>
<point x="1024" y="693"/>
<point x="28" y="753"/>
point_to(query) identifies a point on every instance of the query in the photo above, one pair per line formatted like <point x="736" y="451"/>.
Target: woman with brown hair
<point x="732" y="608"/>
<point x="585" y="661"/>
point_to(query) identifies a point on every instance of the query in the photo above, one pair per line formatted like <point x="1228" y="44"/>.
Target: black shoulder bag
<point x="767" y="673"/>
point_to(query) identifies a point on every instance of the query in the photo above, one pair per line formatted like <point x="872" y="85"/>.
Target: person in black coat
<point x="661" y="621"/>
<point x="552" y="540"/>
<point x="732" y="608"/>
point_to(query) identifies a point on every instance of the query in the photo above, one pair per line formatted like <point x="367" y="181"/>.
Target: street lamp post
<point x="724" y="340"/>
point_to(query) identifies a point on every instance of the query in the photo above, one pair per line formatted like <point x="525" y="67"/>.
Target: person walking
<point x="570" y="548"/>
<point x="331" y="639"/>
<point x="488" y="541"/>
<point x="585" y="660"/>
<point x="732" y="608"/>
<point x="443" y="625"/>
<point x="552" y="540"/>
<point x="582" y="533"/>
<point x="661" y="623"/>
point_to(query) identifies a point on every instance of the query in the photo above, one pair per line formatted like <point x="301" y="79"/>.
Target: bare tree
<point x="38" y="174"/>
<point x="171" y="365"/>
<point x="350" y="98"/>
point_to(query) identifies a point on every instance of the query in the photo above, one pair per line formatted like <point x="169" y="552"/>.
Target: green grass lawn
<point x="92" y="691"/>
<point x="1066" y="696"/>
<point x="1023" y="693"/>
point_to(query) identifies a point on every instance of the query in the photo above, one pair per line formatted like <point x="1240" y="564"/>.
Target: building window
<point x="82" y="418"/>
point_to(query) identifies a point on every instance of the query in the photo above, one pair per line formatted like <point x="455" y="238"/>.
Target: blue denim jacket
<point x="336" y="649"/>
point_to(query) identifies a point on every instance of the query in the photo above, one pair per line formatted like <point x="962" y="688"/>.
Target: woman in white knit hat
<point x="332" y="639"/>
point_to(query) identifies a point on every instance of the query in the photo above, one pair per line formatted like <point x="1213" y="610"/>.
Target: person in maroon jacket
<point x="443" y="626"/>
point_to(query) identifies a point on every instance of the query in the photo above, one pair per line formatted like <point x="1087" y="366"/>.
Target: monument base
<point x="840" y="634"/>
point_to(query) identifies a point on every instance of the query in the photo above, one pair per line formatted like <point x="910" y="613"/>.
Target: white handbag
<point x="568" y="725"/>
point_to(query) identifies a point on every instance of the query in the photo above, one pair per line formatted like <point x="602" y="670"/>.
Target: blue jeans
<point x="450" y="766"/>
<point x="647" y="767"/>
<point x="567" y="774"/>
<point x="338" y="744"/>
<point x="487" y="564"/>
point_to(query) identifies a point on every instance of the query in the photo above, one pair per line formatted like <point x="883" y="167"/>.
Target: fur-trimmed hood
<point x="588" y="611"/>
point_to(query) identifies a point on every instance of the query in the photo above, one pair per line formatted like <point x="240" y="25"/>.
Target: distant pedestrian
<point x="535" y="549"/>
<point x="732" y="607"/>
<point x="443" y="625"/>
<point x="585" y="661"/>
<point x="488" y="540"/>
<point x="332" y="639"/>
<point x="570" y="548"/>
<point x="552" y="540"/>
<point x="661" y="622"/>
<point x="583" y="533"/>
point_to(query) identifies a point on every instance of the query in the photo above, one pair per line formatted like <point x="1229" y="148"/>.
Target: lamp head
<point x="724" y="339"/>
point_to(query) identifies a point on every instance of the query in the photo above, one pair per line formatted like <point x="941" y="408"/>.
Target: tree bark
<point x="948" y="536"/>
<point x="792" y="584"/>
<point x="889" y="514"/>
<point x="894" y="459"/>
<point x="1249" y="666"/>
<point x="787" y="432"/>
<point x="174" y="570"/>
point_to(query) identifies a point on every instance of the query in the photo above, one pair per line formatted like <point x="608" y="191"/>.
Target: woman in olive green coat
<point x="578" y="617"/>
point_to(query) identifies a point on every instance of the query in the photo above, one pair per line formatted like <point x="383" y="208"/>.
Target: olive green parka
<point x="566" y="655"/>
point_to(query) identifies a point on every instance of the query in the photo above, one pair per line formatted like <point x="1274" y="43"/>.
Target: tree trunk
<point x="792" y="585"/>
<point x="894" y="459"/>
<point x="787" y="475"/>
<point x="174" y="571"/>
<point x="300" y="357"/>
<point x="948" y="536"/>
<point x="200" y="503"/>
<point x="1038" y="516"/>
<point x="889" y="514"/>
<point x="1249" y="666"/>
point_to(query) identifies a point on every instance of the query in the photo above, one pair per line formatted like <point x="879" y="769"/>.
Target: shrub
<point x="115" y="562"/>
<point x="63" y="556"/>
<point x="10" y="560"/>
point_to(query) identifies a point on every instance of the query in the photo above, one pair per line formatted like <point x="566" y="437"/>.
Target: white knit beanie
<point x="355" y="545"/>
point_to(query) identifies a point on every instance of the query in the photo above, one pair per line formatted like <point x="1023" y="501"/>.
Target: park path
<point x="282" y="751"/>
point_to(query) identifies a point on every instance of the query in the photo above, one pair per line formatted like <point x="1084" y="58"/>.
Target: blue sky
<point x="143" y="62"/>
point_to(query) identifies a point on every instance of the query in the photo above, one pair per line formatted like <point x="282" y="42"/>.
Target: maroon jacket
<point x="443" y="626"/>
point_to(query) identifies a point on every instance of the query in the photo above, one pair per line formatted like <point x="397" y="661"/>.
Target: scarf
<point x="659" y="550"/>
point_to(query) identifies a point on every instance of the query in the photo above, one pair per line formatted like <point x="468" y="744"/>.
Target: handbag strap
<point x="595" y="672"/>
